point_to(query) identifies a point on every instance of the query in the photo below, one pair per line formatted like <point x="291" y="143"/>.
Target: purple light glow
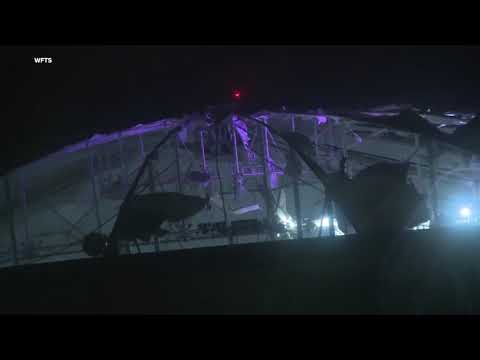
<point x="380" y="114"/>
<point x="321" y="120"/>
<point x="274" y="180"/>
<point x="139" y="129"/>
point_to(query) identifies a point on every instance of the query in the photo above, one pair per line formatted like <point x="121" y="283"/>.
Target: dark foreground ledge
<point x="428" y="272"/>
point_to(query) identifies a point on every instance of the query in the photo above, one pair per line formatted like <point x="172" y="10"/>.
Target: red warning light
<point x="237" y="94"/>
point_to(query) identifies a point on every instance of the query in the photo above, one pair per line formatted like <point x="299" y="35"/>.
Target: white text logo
<point x="42" y="60"/>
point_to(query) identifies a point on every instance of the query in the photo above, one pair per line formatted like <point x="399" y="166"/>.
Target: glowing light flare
<point x="289" y="223"/>
<point x="321" y="120"/>
<point x="465" y="212"/>
<point x="237" y="95"/>
<point x="324" y="223"/>
<point x="423" y="226"/>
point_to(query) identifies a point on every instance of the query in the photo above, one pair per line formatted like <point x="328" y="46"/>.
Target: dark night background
<point x="99" y="89"/>
<point x="92" y="89"/>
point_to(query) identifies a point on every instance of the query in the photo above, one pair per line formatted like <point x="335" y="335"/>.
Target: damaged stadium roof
<point x="91" y="90"/>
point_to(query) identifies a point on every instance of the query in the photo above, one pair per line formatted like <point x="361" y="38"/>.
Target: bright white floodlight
<point x="465" y="212"/>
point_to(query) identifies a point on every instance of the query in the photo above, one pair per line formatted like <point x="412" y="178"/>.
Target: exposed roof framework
<point x="48" y="206"/>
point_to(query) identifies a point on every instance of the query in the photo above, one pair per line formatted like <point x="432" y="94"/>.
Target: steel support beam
<point x="296" y="195"/>
<point x="52" y="208"/>
<point x="179" y="183"/>
<point x="151" y="180"/>
<point x="371" y="136"/>
<point x="298" y="211"/>
<point x="331" y="138"/>
<point x="346" y="170"/>
<point x="94" y="189"/>
<point x="234" y="135"/>
<point x="152" y="188"/>
<point x="332" y="154"/>
<point x="331" y="223"/>
<point x="122" y="160"/>
<point x="11" y="219"/>
<point x="237" y="163"/>
<point x="177" y="165"/>
<point x="28" y="250"/>
<point x="151" y="184"/>
<point x="433" y="193"/>
<point x="417" y="164"/>
<point x="142" y="146"/>
<point x="202" y="144"/>
<point x="267" y="179"/>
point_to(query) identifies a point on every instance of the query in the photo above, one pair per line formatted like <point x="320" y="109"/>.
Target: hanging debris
<point x="467" y="136"/>
<point x="409" y="120"/>
<point x="303" y="147"/>
<point x="144" y="214"/>
<point x="242" y="131"/>
<point x="294" y="166"/>
<point x="381" y="199"/>
<point x="405" y="120"/>
<point x="378" y="199"/>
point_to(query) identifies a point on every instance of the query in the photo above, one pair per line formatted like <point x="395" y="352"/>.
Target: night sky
<point x="93" y="89"/>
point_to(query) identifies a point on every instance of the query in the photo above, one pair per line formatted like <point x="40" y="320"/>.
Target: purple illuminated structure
<point x="140" y="129"/>
<point x="247" y="158"/>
